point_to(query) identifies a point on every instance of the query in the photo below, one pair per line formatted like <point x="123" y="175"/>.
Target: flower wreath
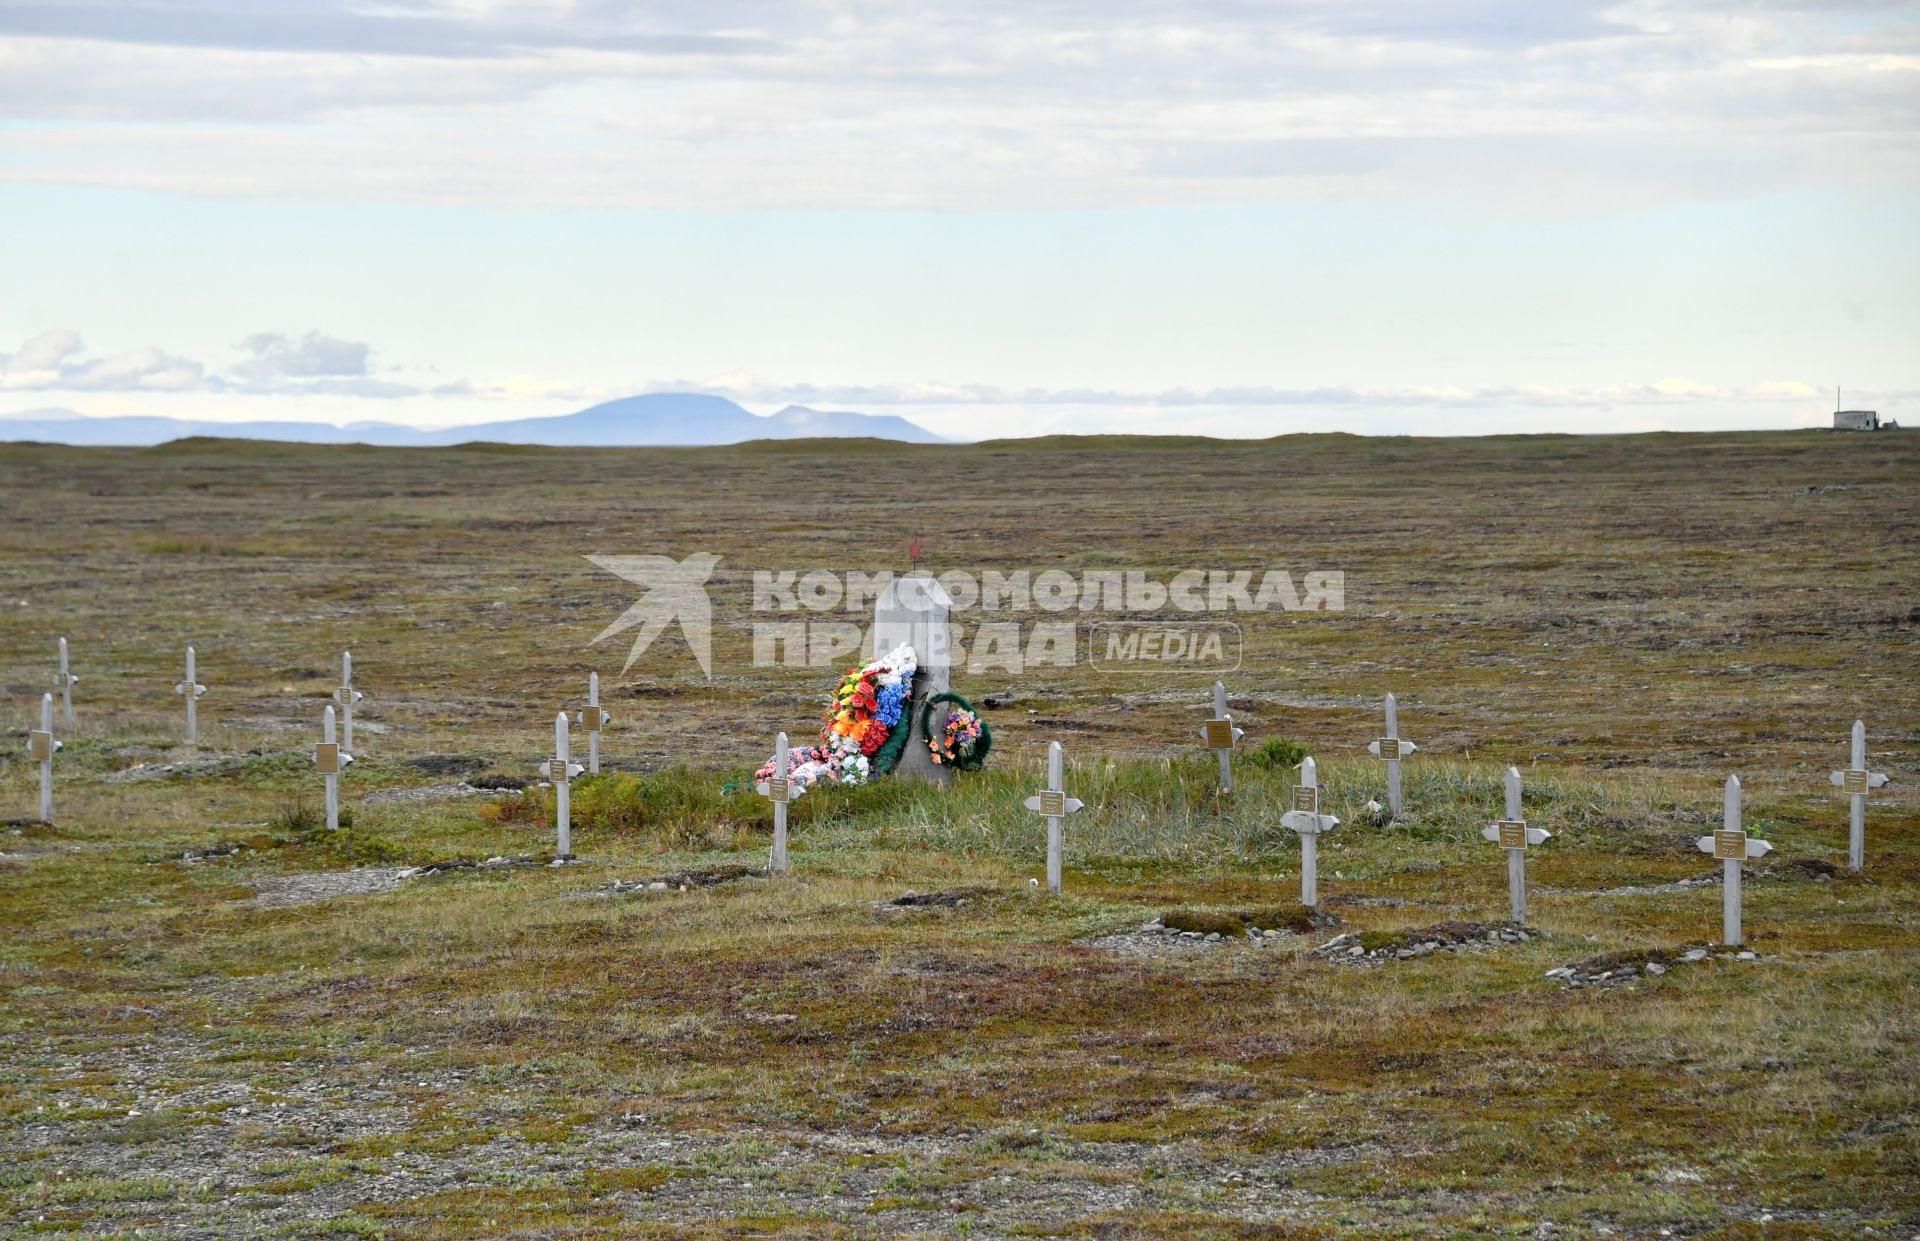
<point x="864" y="732"/>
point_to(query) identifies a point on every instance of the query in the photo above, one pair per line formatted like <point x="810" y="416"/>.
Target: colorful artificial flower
<point x="865" y="709"/>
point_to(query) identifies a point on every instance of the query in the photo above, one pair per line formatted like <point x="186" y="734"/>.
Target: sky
<point x="1192" y="216"/>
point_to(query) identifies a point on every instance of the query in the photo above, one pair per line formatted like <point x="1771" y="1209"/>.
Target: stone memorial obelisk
<point x="914" y="609"/>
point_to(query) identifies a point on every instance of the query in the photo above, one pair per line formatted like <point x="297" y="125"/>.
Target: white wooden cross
<point x="1306" y="819"/>
<point x="593" y="719"/>
<point x="1053" y="803"/>
<point x="330" y="759"/>
<point x="1513" y="835"/>
<point x="192" y="689"/>
<point x="776" y="789"/>
<point x="1391" y="748"/>
<point x="41" y="747"/>
<point x="560" y="770"/>
<point x="1220" y="734"/>
<point x="63" y="681"/>
<point x="1855" y="781"/>
<point x="346" y="696"/>
<point x="1733" y="847"/>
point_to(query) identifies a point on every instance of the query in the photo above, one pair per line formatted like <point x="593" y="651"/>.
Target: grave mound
<point x="1374" y="947"/>
<point x="447" y="764"/>
<point x="1613" y="969"/>
<point x="688" y="880"/>
<point x="935" y="900"/>
<point x="1293" y="919"/>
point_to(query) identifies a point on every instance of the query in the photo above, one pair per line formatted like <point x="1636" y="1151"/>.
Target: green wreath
<point x="973" y="761"/>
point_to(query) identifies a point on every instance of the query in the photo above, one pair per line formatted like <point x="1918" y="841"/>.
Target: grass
<point x="522" y="1052"/>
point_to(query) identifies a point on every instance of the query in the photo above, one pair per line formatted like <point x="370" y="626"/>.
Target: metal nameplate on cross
<point x="1306" y="799"/>
<point x="1512" y="834"/>
<point x="777" y="789"/>
<point x="40" y="745"/>
<point x="1221" y="734"/>
<point x="326" y="758"/>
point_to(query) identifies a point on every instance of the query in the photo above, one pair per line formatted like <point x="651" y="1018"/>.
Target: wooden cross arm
<point x="1405" y="748"/>
<point x="1875" y="779"/>
<point x="181" y="688"/>
<point x="1065" y="805"/>
<point x="347" y="693"/>
<point x="1535" y="835"/>
<point x="572" y="769"/>
<point x="1308" y="824"/>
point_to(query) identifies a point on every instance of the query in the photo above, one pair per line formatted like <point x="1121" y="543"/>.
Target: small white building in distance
<point x="1856" y="420"/>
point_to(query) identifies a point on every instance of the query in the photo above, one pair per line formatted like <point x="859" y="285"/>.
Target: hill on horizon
<point x="653" y="419"/>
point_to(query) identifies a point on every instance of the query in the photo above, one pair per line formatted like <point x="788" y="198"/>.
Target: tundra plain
<point x="222" y="1020"/>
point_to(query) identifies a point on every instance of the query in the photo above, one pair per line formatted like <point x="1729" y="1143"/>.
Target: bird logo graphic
<point x="676" y="591"/>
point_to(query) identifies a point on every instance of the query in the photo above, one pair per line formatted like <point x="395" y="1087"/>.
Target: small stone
<point x="1401" y="954"/>
<point x="657" y="885"/>
<point x="1213" y="937"/>
<point x="1655" y="969"/>
<point x="1270" y="933"/>
<point x="1190" y="935"/>
<point x="1357" y="951"/>
<point x="1695" y="954"/>
<point x="1746" y="956"/>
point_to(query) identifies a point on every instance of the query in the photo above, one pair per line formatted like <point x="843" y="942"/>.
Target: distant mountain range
<point x="662" y="418"/>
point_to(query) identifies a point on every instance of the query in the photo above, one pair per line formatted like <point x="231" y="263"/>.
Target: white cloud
<point x="52" y="361"/>
<point x="994" y="105"/>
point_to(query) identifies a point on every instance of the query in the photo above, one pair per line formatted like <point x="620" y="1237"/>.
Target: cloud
<point x="314" y="364"/>
<point x="272" y="364"/>
<point x="1667" y="391"/>
<point x="52" y="360"/>
<point x="275" y="357"/>
<point x="1524" y="105"/>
